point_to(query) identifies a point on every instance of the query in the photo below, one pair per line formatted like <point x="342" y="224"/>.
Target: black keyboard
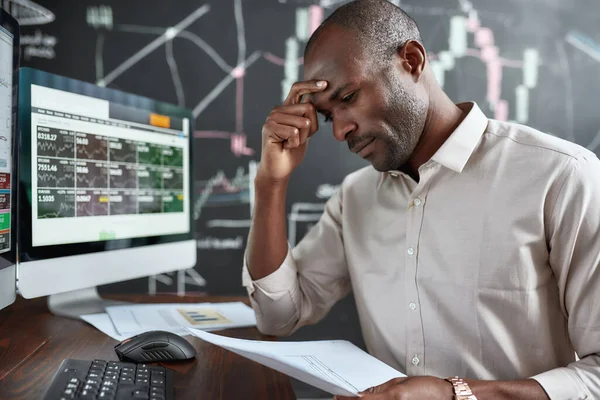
<point x="100" y="379"/>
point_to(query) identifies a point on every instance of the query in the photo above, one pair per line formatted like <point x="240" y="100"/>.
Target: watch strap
<point x="462" y="391"/>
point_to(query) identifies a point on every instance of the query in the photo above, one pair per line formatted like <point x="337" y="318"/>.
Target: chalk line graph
<point x="469" y="23"/>
<point x="472" y="33"/>
<point x="306" y="17"/>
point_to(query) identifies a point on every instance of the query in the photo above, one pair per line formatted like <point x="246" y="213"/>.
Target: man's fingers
<point x="280" y="133"/>
<point x="305" y="124"/>
<point x="385" y="386"/>
<point x="299" y="89"/>
<point x="287" y="118"/>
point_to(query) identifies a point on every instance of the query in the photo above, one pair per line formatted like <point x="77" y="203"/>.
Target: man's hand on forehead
<point x="287" y="129"/>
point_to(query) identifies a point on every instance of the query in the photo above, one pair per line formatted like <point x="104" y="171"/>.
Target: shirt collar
<point x="457" y="149"/>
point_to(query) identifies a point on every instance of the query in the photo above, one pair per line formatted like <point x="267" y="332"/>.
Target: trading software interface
<point x="102" y="170"/>
<point x="6" y="121"/>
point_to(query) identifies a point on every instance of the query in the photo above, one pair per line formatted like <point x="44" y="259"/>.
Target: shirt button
<point x="416" y="360"/>
<point x="417" y="202"/>
<point x="393" y="174"/>
<point x="412" y="306"/>
<point x="410" y="251"/>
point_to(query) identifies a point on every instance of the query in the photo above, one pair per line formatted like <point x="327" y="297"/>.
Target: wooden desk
<point x="33" y="343"/>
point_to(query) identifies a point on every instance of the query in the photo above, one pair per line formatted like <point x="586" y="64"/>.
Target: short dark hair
<point x="380" y="26"/>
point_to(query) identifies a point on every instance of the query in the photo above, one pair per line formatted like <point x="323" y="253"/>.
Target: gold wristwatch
<point x="462" y="391"/>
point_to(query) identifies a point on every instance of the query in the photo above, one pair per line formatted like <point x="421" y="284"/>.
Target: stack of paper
<point x="335" y="366"/>
<point x="129" y="320"/>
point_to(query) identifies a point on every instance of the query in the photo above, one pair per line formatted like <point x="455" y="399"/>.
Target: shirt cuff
<point x="276" y="284"/>
<point x="562" y="384"/>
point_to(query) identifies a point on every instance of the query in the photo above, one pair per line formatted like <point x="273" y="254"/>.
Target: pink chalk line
<point x="316" y="16"/>
<point x="238" y="140"/>
<point x="490" y="55"/>
<point x="278" y="60"/>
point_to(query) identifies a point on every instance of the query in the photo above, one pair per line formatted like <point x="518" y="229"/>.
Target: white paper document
<point x="102" y="322"/>
<point x="129" y="319"/>
<point x="335" y="366"/>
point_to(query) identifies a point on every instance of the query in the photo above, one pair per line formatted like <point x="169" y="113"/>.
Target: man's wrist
<point x="524" y="389"/>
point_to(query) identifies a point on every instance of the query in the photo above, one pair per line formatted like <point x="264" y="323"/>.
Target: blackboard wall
<point x="532" y="61"/>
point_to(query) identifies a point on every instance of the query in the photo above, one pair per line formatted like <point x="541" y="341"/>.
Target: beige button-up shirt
<point x="486" y="268"/>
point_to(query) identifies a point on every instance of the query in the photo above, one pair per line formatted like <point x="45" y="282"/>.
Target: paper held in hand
<point x="335" y="366"/>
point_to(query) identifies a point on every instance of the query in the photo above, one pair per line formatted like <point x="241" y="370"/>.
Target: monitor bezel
<point x="8" y="272"/>
<point x="28" y="252"/>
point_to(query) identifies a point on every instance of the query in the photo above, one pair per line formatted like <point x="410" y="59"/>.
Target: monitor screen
<point x="104" y="185"/>
<point x="9" y="77"/>
<point x="6" y="135"/>
<point x="101" y="170"/>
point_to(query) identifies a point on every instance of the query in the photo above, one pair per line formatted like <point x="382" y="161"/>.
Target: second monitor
<point x="105" y="189"/>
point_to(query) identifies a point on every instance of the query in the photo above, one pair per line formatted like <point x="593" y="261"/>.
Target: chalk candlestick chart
<point x="488" y="53"/>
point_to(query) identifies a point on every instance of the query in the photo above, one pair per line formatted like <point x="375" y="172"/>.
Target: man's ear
<point x="412" y="58"/>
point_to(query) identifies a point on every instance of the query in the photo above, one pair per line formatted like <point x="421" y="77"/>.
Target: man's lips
<point x="361" y="145"/>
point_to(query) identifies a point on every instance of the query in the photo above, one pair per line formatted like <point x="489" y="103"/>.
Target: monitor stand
<point x="79" y="302"/>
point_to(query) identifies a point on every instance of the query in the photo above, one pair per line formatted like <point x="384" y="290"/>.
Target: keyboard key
<point x="97" y="371"/>
<point x="140" y="394"/>
<point x="110" y="380"/>
<point x="158" y="382"/>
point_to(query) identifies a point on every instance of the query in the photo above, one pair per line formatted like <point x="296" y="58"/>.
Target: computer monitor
<point x="9" y="79"/>
<point x="106" y="188"/>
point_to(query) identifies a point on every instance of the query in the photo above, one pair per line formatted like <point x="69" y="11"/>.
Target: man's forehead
<point x="328" y="65"/>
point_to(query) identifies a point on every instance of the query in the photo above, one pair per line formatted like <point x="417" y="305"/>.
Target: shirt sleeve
<point x="311" y="279"/>
<point x="573" y="235"/>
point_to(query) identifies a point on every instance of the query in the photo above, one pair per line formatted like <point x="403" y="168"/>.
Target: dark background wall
<point x="532" y="61"/>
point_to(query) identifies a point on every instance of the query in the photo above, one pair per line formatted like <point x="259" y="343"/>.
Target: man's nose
<point x="342" y="128"/>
